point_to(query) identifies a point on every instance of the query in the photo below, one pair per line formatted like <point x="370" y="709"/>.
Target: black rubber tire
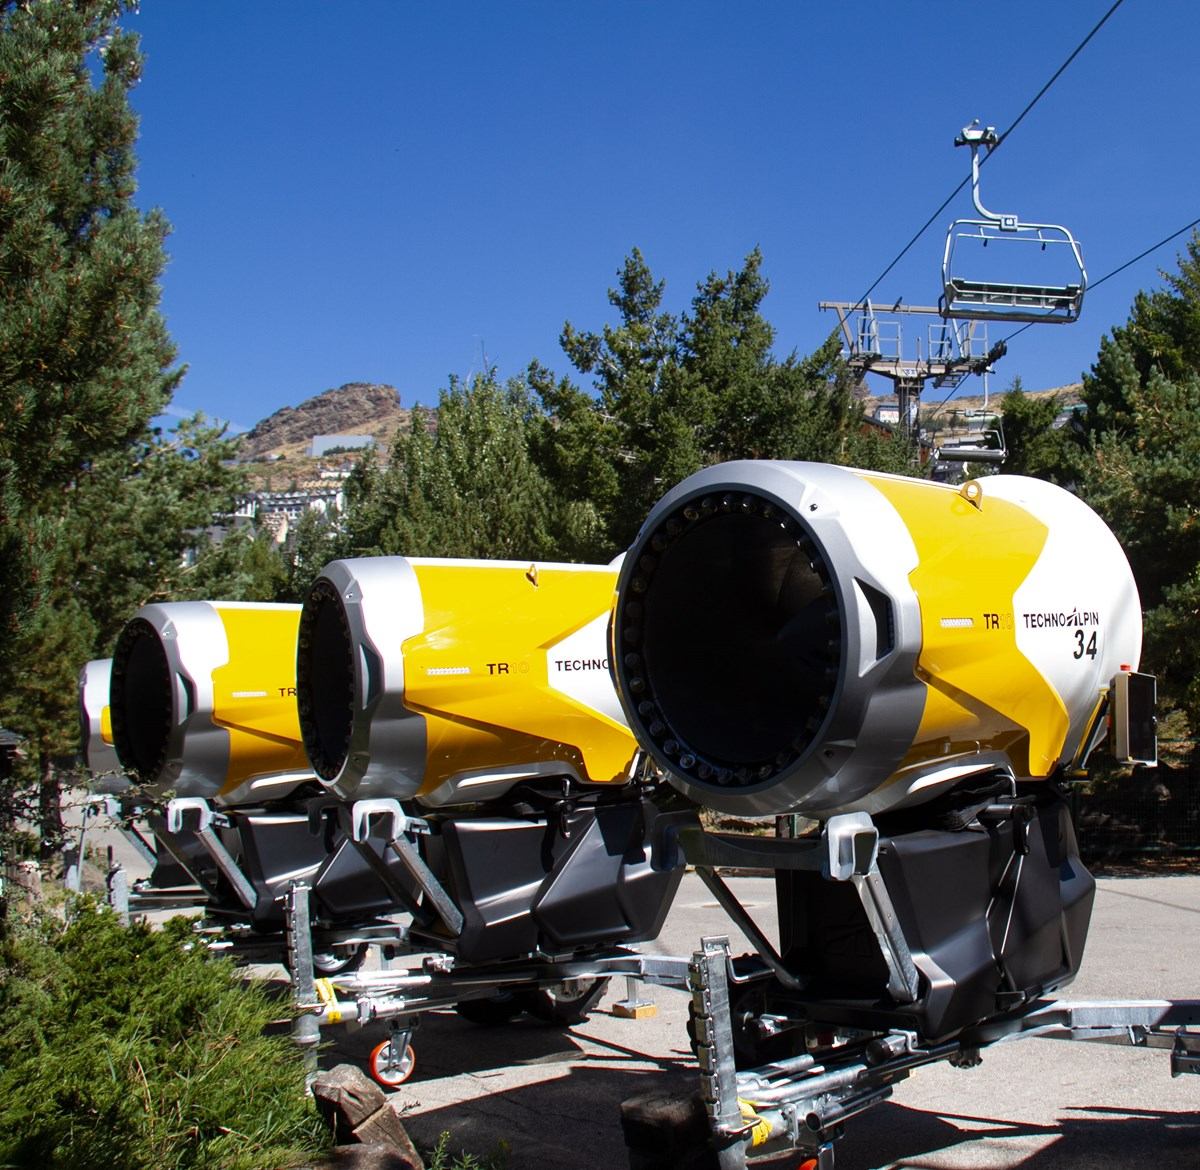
<point x="327" y="963"/>
<point x="567" y="1003"/>
<point x="495" y="1009"/>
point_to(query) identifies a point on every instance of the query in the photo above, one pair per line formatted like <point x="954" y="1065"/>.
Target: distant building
<point x="323" y="444"/>
<point x="276" y="510"/>
<point x="888" y="412"/>
<point x="1074" y="417"/>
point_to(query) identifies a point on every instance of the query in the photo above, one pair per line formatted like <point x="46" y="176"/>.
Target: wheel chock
<point x="634" y="1006"/>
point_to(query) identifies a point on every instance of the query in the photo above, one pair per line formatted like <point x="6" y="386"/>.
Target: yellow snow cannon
<point x="203" y="700"/>
<point x="798" y="637"/>
<point x="913" y="666"/>
<point x="452" y="681"/>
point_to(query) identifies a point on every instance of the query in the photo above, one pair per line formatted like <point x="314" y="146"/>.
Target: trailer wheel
<point x="567" y="1003"/>
<point x="495" y="1009"/>
<point x="327" y="963"/>
<point x="391" y="1074"/>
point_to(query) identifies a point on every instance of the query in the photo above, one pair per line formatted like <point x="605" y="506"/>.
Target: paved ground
<point x="553" y="1096"/>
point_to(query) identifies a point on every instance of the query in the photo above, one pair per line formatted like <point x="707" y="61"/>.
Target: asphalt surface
<point x="552" y="1096"/>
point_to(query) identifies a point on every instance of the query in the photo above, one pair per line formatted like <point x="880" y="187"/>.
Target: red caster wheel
<point x="388" y="1071"/>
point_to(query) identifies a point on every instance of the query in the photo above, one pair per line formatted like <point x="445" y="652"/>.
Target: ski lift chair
<point x="1000" y="298"/>
<point x="985" y="447"/>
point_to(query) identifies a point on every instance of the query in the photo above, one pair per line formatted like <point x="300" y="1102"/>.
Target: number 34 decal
<point x="1083" y="646"/>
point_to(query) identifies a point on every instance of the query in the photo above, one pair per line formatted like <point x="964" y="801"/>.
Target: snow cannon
<point x="468" y="705"/>
<point x="96" y="739"/>
<point x="907" y="664"/>
<point x="203" y="701"/>
<point x="798" y="637"/>
<point x="452" y="681"/>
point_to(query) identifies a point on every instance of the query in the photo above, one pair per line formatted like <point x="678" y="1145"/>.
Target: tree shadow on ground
<point x="1084" y="1138"/>
<point x="570" y="1118"/>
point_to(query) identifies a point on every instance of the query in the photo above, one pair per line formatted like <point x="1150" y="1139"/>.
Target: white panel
<point x="1078" y="616"/>
<point x="578" y="667"/>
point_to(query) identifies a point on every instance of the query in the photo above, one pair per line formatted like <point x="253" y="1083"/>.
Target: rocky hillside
<point x="369" y="408"/>
<point x="933" y="401"/>
<point x="357" y="408"/>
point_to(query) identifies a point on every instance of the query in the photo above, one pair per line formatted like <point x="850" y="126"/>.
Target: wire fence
<point x="1148" y="816"/>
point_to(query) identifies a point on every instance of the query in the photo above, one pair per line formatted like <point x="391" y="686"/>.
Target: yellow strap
<point x="327" y="994"/>
<point x="760" y="1128"/>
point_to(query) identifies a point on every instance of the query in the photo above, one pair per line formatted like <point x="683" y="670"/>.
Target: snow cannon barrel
<point x="203" y="700"/>
<point x="96" y="740"/>
<point x="453" y="680"/>
<point x="809" y="638"/>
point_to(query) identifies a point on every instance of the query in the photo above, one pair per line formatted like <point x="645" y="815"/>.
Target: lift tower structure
<point x="946" y="354"/>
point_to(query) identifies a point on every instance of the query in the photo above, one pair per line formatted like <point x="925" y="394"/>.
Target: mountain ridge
<point x="354" y="408"/>
<point x="373" y="408"/>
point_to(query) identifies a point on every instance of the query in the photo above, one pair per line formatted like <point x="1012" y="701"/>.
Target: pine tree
<point x="1035" y="446"/>
<point x="85" y="364"/>
<point x="638" y="423"/>
<point x="465" y="487"/>
<point x="129" y="529"/>
<point x="1141" y="466"/>
<point x="674" y="394"/>
<point x="84" y="354"/>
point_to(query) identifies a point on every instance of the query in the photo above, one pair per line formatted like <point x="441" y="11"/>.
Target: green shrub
<point x="127" y="1047"/>
<point x="442" y="1158"/>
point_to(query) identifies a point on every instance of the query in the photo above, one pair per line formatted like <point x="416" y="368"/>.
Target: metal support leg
<point x="194" y="808"/>
<point x="636" y="1005"/>
<point x="306" y="1028"/>
<point x="709" y="984"/>
<point x="903" y="981"/>
<point x="357" y="824"/>
<point x="117" y="884"/>
<point x="729" y="903"/>
<point x="441" y="901"/>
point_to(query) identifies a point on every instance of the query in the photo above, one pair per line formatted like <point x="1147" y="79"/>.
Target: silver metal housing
<point x="98" y="756"/>
<point x="811" y="564"/>
<point x="361" y="739"/>
<point x="162" y="698"/>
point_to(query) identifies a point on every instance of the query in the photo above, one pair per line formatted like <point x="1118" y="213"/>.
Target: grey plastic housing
<point x="847" y="740"/>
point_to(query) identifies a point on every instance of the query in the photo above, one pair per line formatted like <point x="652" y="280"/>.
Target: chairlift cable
<point x="861" y="302"/>
<point x="1058" y="73"/>
<point x="1120" y="268"/>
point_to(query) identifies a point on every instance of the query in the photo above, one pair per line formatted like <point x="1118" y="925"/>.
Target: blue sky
<point x="397" y="192"/>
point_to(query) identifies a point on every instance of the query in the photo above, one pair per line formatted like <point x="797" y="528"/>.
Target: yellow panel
<point x="106" y="725"/>
<point x="478" y="672"/>
<point x="254" y="694"/>
<point x="981" y="690"/>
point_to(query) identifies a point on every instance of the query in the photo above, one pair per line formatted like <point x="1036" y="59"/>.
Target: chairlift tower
<point x="946" y="354"/>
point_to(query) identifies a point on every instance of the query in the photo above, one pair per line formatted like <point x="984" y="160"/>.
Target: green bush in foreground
<point x="126" y="1047"/>
<point x="442" y="1158"/>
